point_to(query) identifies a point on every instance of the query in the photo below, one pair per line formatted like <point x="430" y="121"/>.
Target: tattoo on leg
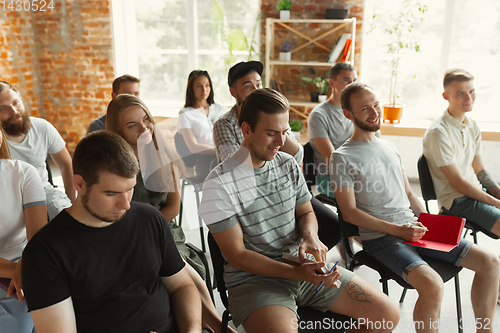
<point x="357" y="293"/>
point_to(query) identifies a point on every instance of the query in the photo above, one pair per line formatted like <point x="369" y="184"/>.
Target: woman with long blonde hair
<point x="158" y="183"/>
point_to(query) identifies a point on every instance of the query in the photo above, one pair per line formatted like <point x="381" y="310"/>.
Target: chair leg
<point x="403" y="295"/>
<point x="459" y="304"/>
<point x="385" y="286"/>
<point x="202" y="234"/>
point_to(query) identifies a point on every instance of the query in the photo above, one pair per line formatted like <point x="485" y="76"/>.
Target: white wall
<point x="410" y="149"/>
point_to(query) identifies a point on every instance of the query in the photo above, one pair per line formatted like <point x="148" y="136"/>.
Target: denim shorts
<point x="402" y="258"/>
<point x="478" y="212"/>
<point x="266" y="291"/>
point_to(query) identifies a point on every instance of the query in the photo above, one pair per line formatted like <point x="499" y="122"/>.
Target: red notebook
<point x="444" y="232"/>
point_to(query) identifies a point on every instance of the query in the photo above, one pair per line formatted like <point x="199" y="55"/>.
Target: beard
<point x="85" y="203"/>
<point x="367" y="127"/>
<point x="16" y="128"/>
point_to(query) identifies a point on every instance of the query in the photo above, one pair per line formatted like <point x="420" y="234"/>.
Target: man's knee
<point x="427" y="282"/>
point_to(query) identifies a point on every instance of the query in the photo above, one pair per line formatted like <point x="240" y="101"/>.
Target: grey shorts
<point x="265" y="291"/>
<point x="402" y="258"/>
<point x="478" y="212"/>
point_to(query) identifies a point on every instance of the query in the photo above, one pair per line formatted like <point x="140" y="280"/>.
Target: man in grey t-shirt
<point x="257" y="206"/>
<point x="373" y="193"/>
<point x="327" y="127"/>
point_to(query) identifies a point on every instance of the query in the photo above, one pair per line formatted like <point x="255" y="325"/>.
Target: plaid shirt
<point x="228" y="136"/>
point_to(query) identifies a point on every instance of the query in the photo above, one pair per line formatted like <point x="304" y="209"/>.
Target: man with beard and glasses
<point x="373" y="193"/>
<point x="107" y="264"/>
<point x="243" y="78"/>
<point x="30" y="140"/>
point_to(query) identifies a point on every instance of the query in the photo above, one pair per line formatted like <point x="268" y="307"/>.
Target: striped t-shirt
<point x="262" y="200"/>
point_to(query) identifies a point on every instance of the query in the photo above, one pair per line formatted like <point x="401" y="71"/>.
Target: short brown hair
<point x="338" y="67"/>
<point x="456" y="74"/>
<point x="4" y="147"/>
<point x="124" y="78"/>
<point x="349" y="90"/>
<point x="103" y="151"/>
<point x="4" y="85"/>
<point x="261" y="100"/>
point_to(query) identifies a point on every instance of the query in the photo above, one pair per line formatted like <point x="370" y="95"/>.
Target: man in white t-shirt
<point x="31" y="139"/>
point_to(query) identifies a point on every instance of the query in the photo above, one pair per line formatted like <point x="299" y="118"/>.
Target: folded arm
<point x="452" y="173"/>
<point x="63" y="161"/>
<point x="485" y="178"/>
<point x="194" y="146"/>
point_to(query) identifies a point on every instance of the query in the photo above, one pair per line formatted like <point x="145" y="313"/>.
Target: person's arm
<point x="347" y="203"/>
<point x="485" y="178"/>
<point x="415" y="204"/>
<point x="231" y="244"/>
<point x="456" y="180"/>
<point x="325" y="148"/>
<point x="225" y="141"/>
<point x="194" y="146"/>
<point x="291" y="145"/>
<point x="35" y="217"/>
<point x="63" y="161"/>
<point x="308" y="229"/>
<point x="185" y="300"/>
<point x="57" y="318"/>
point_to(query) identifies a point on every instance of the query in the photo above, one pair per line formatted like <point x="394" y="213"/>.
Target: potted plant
<point x="397" y="27"/>
<point x="320" y="83"/>
<point x="286" y="51"/>
<point x="296" y="126"/>
<point x="284" y="7"/>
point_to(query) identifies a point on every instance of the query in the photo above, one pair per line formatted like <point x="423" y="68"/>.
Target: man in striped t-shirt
<point x="257" y="206"/>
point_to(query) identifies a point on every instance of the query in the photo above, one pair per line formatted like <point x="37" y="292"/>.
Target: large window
<point x="454" y="33"/>
<point x="162" y="41"/>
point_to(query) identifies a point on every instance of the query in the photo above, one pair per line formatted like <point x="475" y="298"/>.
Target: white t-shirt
<point x="201" y="125"/>
<point x="20" y="188"/>
<point x="42" y="139"/>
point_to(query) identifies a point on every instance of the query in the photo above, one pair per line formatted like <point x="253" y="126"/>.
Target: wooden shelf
<point x="270" y="62"/>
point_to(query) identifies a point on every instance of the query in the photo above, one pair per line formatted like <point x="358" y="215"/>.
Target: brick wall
<point x="289" y="76"/>
<point x="61" y="61"/>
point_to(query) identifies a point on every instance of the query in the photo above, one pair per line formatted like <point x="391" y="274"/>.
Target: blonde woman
<point x="22" y="214"/>
<point x="128" y="116"/>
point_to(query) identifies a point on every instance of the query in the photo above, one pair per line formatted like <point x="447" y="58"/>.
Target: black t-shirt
<point x="112" y="274"/>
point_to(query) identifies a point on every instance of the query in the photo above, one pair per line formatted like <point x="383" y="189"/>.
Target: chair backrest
<point x="188" y="158"/>
<point x="49" y="171"/>
<point x="425" y="179"/>
<point x="308" y="166"/>
<point x="218" y="265"/>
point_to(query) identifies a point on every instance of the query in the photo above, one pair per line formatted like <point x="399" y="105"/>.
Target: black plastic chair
<point x="309" y="170"/>
<point x="197" y="168"/>
<point x="428" y="193"/>
<point x="208" y="280"/>
<point x="445" y="270"/>
<point x="306" y="313"/>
